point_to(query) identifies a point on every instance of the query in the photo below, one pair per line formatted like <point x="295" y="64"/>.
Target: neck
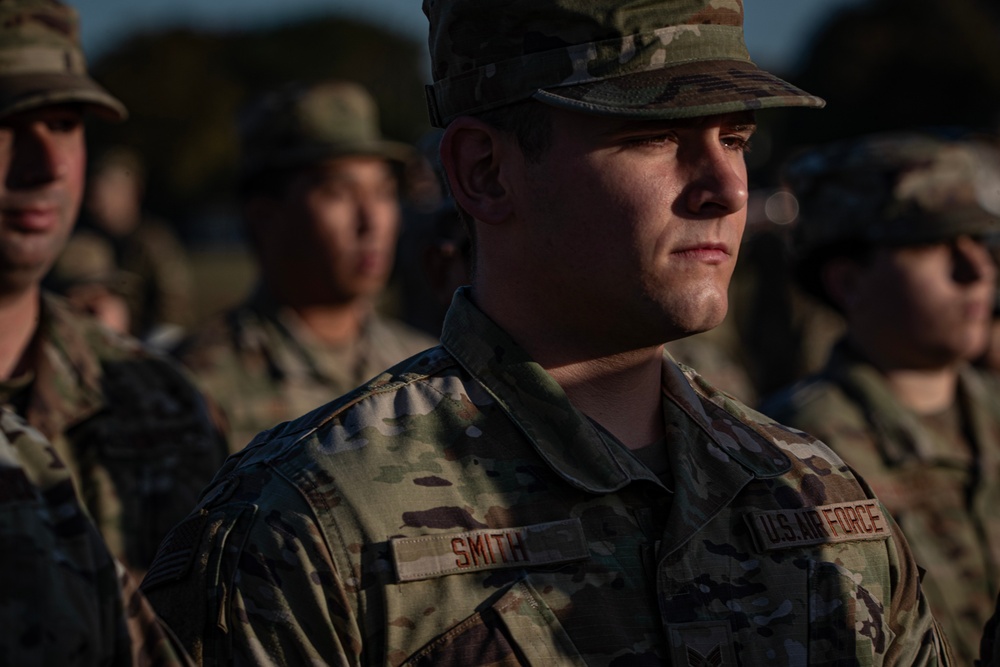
<point x="334" y="324"/>
<point x="19" y="313"/>
<point x="621" y="392"/>
<point x="924" y="391"/>
<point x="615" y="385"/>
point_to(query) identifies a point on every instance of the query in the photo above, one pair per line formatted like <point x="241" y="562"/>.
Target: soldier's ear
<point x="473" y="155"/>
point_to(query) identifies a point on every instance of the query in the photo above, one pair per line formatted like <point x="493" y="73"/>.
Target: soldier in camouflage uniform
<point x="62" y="600"/>
<point x="319" y="190"/>
<point x="891" y="233"/>
<point x="145" y="248"/>
<point x="132" y="429"/>
<point x="546" y="487"/>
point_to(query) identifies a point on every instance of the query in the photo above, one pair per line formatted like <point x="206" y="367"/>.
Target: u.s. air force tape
<point x="842" y="522"/>
<point x="429" y="556"/>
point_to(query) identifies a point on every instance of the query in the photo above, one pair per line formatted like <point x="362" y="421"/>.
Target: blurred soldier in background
<point x="891" y="233"/>
<point x="319" y="187"/>
<point x="160" y="299"/>
<point x="86" y="274"/>
<point x="547" y="487"/>
<point x="134" y="432"/>
<point x="64" y="600"/>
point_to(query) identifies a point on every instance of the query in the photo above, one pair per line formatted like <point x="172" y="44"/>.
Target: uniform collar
<point x="302" y="354"/>
<point x="67" y="374"/>
<point x="707" y="444"/>
<point x="900" y="435"/>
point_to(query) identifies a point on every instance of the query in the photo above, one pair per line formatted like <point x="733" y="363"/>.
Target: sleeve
<point x="152" y="641"/>
<point x="918" y="638"/>
<point x="245" y="584"/>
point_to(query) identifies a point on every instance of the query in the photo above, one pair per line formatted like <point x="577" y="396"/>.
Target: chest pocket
<point x="518" y="629"/>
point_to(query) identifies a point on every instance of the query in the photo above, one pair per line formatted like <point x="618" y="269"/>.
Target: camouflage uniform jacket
<point x="458" y="510"/>
<point x="945" y="502"/>
<point x="61" y="594"/>
<point x="132" y="428"/>
<point x="262" y="366"/>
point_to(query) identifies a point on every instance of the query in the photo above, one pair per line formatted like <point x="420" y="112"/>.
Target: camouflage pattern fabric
<point x="302" y="124"/>
<point x="62" y="594"/>
<point x="710" y="354"/>
<point x="619" y="57"/>
<point x="262" y="366"/>
<point x="458" y="510"/>
<point x="893" y="188"/>
<point x="945" y="503"/>
<point x="131" y="427"/>
<point x="42" y="62"/>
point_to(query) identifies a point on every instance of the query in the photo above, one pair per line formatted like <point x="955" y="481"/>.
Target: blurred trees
<point x="883" y="64"/>
<point x="184" y="88"/>
<point x="895" y="64"/>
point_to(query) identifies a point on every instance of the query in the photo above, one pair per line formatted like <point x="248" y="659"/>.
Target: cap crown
<point x="489" y="53"/>
<point x="304" y="123"/>
<point x="41" y="61"/>
<point x="895" y="189"/>
<point x="39" y="36"/>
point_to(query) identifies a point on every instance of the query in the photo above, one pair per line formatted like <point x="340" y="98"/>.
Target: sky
<point x="776" y="30"/>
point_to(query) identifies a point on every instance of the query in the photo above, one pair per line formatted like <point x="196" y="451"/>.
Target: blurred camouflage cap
<point x="632" y="58"/>
<point x="894" y="189"/>
<point x="41" y="62"/>
<point x="300" y="124"/>
<point x="88" y="259"/>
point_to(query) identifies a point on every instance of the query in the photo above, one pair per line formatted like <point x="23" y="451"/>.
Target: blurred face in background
<point x="42" y="163"/>
<point x="330" y="235"/>
<point x="114" y="200"/>
<point x="920" y="306"/>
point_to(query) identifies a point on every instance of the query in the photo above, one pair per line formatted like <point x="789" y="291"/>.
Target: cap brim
<point x="30" y="91"/>
<point x="390" y="150"/>
<point x="297" y="157"/>
<point x="701" y="88"/>
<point x="931" y="228"/>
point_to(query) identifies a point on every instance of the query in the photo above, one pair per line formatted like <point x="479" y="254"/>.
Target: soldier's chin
<point x="700" y="317"/>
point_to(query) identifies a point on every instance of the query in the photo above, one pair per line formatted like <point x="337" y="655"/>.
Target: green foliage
<point x="184" y="88"/>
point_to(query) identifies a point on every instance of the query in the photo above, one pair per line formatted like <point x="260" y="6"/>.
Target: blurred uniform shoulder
<point x="57" y="573"/>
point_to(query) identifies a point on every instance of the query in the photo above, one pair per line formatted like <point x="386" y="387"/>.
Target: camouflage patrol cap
<point x="631" y="58"/>
<point x="300" y="124"/>
<point x="894" y="189"/>
<point x="41" y="62"/>
<point x="88" y="259"/>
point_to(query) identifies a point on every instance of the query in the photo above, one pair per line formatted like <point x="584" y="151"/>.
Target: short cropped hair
<point x="530" y="123"/>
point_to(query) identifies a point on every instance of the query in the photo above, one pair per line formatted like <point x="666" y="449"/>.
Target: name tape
<point x="842" y="522"/>
<point x="430" y="556"/>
